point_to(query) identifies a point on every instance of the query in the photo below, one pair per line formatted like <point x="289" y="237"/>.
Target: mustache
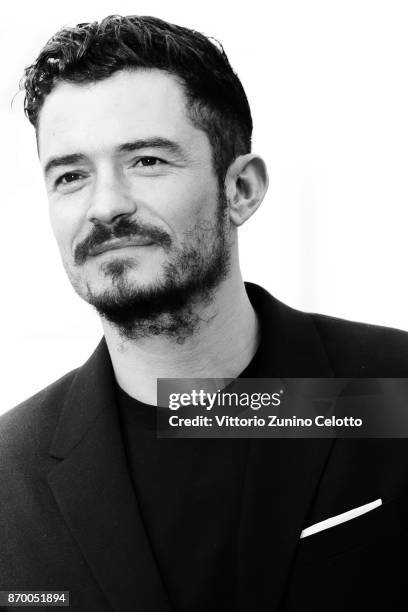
<point x="123" y="228"/>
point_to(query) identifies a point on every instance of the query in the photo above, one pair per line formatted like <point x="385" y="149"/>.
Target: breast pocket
<point x="355" y="566"/>
<point x="386" y="521"/>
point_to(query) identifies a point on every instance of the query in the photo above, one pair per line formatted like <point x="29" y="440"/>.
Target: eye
<point x="68" y="178"/>
<point x="147" y="161"/>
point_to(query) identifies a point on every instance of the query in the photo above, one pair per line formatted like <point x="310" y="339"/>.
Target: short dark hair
<point x="89" y="52"/>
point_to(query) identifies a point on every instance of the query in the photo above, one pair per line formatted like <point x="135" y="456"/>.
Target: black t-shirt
<point x="189" y="492"/>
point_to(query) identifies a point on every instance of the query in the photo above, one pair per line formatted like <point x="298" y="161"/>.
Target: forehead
<point x="99" y="116"/>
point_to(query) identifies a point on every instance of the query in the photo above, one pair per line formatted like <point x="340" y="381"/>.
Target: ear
<point x="246" y="183"/>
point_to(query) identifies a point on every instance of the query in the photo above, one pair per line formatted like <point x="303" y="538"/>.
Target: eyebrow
<point x="151" y="143"/>
<point x="127" y="147"/>
<point x="63" y="160"/>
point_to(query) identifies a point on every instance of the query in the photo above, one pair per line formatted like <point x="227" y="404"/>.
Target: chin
<point x="132" y="285"/>
<point x="115" y="270"/>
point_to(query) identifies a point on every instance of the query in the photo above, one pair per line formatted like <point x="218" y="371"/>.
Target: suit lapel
<point x="282" y="474"/>
<point x="93" y="490"/>
<point x="281" y="480"/>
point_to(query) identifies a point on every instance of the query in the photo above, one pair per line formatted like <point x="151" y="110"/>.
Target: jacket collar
<point x="291" y="345"/>
<point x="91" y="394"/>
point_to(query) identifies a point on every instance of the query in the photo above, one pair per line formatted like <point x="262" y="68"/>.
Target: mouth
<point x="120" y="243"/>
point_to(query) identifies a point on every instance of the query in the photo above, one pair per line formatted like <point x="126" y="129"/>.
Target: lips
<point x="120" y="243"/>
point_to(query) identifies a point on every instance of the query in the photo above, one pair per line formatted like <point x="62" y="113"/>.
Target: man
<point x="144" y="137"/>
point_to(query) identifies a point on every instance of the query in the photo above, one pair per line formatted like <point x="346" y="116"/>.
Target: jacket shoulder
<point x="30" y="424"/>
<point x="362" y="348"/>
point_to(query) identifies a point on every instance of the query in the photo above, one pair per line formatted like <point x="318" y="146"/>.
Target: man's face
<point x="134" y="199"/>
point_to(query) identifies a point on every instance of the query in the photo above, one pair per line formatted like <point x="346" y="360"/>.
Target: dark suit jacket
<point x="69" y="519"/>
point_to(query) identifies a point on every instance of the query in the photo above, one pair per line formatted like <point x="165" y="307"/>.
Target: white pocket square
<point x="340" y="518"/>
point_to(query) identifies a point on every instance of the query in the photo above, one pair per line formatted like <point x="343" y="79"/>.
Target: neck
<point x="221" y="347"/>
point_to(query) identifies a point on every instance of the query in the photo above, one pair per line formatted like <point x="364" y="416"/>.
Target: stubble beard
<point x="171" y="307"/>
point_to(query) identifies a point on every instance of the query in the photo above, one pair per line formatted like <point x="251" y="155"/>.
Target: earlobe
<point x="245" y="186"/>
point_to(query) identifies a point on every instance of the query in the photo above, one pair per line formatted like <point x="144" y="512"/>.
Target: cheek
<point x="197" y="203"/>
<point x="65" y="226"/>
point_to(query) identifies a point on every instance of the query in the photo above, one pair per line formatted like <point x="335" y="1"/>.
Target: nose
<point x="109" y="198"/>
